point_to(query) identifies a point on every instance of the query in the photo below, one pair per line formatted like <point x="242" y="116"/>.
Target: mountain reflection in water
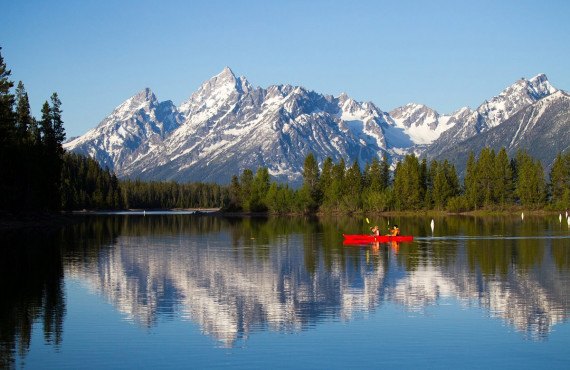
<point x="234" y="276"/>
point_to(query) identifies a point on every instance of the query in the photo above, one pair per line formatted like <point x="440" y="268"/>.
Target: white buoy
<point x="560" y="218"/>
<point x="568" y="221"/>
<point x="432" y="225"/>
<point x="522" y="215"/>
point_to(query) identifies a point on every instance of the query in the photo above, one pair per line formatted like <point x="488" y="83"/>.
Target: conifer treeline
<point x="492" y="181"/>
<point x="31" y="154"/>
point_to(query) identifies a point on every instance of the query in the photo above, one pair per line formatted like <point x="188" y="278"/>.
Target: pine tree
<point x="504" y="187"/>
<point x="485" y="177"/>
<point x="373" y="176"/>
<point x="24" y="120"/>
<point x="352" y="188"/>
<point x="311" y="182"/>
<point x="246" y="185"/>
<point x="470" y="181"/>
<point x="7" y="119"/>
<point x="8" y="142"/>
<point x="234" y="194"/>
<point x="57" y="122"/>
<point x="409" y="191"/>
<point x="530" y="186"/>
<point x="260" y="187"/>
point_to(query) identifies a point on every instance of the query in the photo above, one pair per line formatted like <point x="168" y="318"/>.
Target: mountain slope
<point x="542" y="129"/>
<point x="493" y="112"/>
<point x="230" y="126"/>
<point x="140" y="122"/>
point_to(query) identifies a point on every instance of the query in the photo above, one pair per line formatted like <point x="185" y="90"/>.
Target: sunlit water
<point x="198" y="291"/>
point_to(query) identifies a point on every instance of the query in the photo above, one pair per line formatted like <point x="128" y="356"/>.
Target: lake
<point x="204" y="291"/>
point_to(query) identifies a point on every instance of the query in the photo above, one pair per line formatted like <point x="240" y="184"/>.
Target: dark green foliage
<point x="530" y="185"/>
<point x="445" y="184"/>
<point x="168" y="195"/>
<point x="311" y="191"/>
<point x="503" y="189"/>
<point x="86" y="186"/>
<point x="30" y="156"/>
<point x="409" y="190"/>
<point x="560" y="181"/>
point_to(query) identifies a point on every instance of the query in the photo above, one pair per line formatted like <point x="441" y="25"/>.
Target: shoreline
<point x="49" y="221"/>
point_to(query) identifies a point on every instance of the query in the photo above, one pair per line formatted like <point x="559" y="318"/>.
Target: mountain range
<point x="228" y="125"/>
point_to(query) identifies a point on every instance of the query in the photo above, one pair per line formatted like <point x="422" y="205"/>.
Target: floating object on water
<point x="365" y="238"/>
<point x="432" y="225"/>
<point x="522" y="215"/>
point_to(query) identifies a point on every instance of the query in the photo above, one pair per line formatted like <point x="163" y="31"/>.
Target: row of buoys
<point x="432" y="223"/>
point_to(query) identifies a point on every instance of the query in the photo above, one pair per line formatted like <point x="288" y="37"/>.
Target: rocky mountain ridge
<point x="228" y="125"/>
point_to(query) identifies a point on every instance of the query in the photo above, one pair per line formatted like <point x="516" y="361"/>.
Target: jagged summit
<point x="227" y="125"/>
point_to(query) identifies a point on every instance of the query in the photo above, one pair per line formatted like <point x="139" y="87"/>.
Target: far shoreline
<point x="48" y="221"/>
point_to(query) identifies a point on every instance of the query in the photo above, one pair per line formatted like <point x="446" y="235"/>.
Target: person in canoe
<point x="375" y="230"/>
<point x="394" y="231"/>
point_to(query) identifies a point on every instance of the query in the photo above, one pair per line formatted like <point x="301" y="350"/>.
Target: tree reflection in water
<point x="236" y="275"/>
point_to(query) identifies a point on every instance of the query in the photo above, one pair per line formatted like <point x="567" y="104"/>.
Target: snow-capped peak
<point x="540" y="85"/>
<point x="215" y="92"/>
<point x="144" y="99"/>
<point x="515" y="97"/>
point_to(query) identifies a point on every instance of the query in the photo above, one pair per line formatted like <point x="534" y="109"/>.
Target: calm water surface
<point x="195" y="291"/>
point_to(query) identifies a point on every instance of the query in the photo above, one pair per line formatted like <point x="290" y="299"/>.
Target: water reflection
<point x="234" y="276"/>
<point x="31" y="284"/>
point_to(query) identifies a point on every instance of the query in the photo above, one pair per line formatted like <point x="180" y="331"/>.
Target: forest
<point x="38" y="175"/>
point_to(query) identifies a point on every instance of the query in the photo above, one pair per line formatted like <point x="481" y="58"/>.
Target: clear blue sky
<point x="445" y="54"/>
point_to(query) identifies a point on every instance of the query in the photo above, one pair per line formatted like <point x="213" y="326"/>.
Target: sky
<point x="446" y="54"/>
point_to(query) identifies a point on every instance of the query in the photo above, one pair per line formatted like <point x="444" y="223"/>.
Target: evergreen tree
<point x="445" y="184"/>
<point x="24" y="120"/>
<point x="470" y="181"/>
<point x="246" y="185"/>
<point x="373" y="176"/>
<point x="7" y="119"/>
<point x="310" y="186"/>
<point x="326" y="177"/>
<point x="504" y="185"/>
<point x="430" y="177"/>
<point x="352" y="188"/>
<point x="234" y="194"/>
<point x="8" y="154"/>
<point x="261" y="184"/>
<point x="485" y="172"/>
<point x="409" y="192"/>
<point x="52" y="135"/>
<point x="57" y="123"/>
<point x="530" y="186"/>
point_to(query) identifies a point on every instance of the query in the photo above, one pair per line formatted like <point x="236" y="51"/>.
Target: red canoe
<point x="366" y="238"/>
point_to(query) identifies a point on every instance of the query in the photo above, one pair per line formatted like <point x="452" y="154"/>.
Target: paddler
<point x="394" y="231"/>
<point x="375" y="230"/>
